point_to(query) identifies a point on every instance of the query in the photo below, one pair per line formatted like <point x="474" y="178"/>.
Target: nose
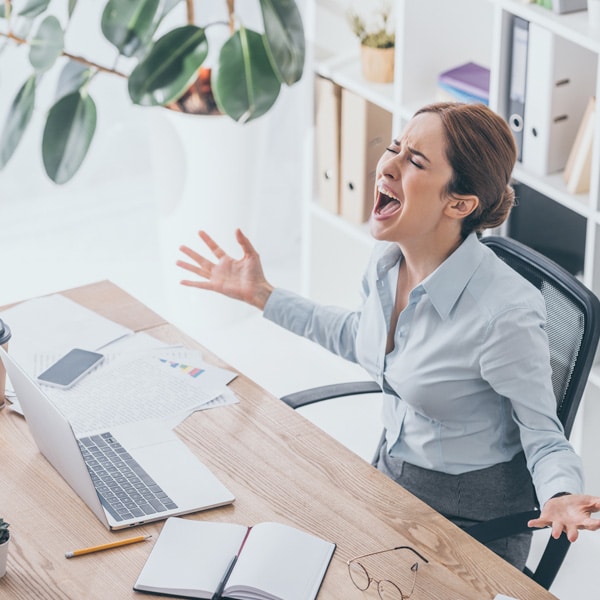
<point x="390" y="166"/>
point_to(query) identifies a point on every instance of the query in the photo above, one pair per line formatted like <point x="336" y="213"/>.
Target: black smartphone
<point x="69" y="369"/>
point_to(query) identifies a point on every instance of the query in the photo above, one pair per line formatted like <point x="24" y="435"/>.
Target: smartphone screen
<point x="66" y="371"/>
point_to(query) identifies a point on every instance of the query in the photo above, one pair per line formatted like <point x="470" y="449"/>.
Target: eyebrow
<point x="414" y="151"/>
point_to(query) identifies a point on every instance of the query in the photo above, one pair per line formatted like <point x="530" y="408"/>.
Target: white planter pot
<point x="212" y="173"/>
<point x="205" y="173"/>
<point x="3" y="557"/>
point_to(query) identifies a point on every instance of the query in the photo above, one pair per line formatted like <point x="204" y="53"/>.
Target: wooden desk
<point x="279" y="466"/>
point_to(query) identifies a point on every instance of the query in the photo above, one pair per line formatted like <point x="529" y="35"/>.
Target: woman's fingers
<point x="245" y="243"/>
<point x="213" y="246"/>
<point x="205" y="265"/>
<point x="193" y="268"/>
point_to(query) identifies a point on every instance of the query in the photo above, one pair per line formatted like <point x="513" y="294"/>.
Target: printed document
<point x="139" y="387"/>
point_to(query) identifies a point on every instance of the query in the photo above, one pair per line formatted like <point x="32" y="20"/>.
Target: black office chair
<point x="573" y="327"/>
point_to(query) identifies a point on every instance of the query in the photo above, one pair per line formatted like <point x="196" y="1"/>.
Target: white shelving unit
<point x="432" y="36"/>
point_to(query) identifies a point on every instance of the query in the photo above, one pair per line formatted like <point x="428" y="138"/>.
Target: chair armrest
<point x="327" y="392"/>
<point x="494" y="529"/>
<point x="554" y="553"/>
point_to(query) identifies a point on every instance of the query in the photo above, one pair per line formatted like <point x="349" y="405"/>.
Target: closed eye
<point x="394" y="147"/>
<point x="415" y="152"/>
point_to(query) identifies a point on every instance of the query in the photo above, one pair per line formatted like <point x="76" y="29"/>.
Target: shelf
<point x="572" y="26"/>
<point x="346" y="72"/>
<point x="554" y="187"/>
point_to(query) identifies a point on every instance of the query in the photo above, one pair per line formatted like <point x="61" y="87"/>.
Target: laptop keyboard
<point x="124" y="487"/>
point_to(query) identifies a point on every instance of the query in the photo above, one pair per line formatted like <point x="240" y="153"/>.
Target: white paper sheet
<point x="132" y="384"/>
<point x="54" y="324"/>
<point x="138" y="387"/>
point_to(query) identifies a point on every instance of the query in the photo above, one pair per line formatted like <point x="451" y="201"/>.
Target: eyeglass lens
<point x="358" y="574"/>
<point x="387" y="590"/>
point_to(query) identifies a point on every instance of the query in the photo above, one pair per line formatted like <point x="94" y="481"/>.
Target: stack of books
<point x="469" y="82"/>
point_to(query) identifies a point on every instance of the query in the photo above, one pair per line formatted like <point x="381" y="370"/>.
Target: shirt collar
<point x="445" y="285"/>
<point x="389" y="258"/>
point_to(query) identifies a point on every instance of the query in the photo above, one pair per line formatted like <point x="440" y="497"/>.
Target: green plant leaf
<point x="67" y="135"/>
<point x="284" y="36"/>
<point x="72" y="78"/>
<point x="170" y="67"/>
<point x="33" y="8"/>
<point x="244" y="84"/>
<point x="129" y="25"/>
<point x="17" y="120"/>
<point x="47" y="44"/>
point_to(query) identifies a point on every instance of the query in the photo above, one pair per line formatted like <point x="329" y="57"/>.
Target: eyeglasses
<point x="386" y="589"/>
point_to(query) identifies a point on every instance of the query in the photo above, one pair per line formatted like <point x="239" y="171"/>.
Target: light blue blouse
<point x="468" y="383"/>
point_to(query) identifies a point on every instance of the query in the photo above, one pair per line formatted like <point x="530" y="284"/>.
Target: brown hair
<point x="481" y="151"/>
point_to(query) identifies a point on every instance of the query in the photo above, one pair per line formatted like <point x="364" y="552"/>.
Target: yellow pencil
<point x="140" y="538"/>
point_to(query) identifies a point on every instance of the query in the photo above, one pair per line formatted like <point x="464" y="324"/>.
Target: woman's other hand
<point x="569" y="513"/>
<point x="241" y="279"/>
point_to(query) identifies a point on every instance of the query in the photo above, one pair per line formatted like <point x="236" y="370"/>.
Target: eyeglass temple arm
<point x="390" y="550"/>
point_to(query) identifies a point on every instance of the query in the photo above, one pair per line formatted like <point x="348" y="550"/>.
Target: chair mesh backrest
<point x="565" y="325"/>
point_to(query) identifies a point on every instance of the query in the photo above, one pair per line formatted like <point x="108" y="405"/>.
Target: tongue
<point x="390" y="208"/>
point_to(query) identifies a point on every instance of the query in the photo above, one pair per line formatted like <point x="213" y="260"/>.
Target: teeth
<point x="388" y="194"/>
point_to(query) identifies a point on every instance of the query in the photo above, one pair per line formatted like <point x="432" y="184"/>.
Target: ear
<point x="460" y="206"/>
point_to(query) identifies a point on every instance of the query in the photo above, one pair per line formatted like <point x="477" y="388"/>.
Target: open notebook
<point x="271" y="561"/>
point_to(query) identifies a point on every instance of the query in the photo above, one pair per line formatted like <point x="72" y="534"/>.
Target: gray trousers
<point x="471" y="497"/>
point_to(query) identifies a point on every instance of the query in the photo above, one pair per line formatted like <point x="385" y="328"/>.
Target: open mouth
<point x="386" y="204"/>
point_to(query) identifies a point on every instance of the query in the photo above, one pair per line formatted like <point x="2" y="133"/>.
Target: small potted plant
<point x="4" y="538"/>
<point x="373" y="24"/>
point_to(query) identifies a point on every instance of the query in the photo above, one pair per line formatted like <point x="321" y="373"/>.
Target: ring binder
<point x="518" y="78"/>
<point x="560" y="81"/>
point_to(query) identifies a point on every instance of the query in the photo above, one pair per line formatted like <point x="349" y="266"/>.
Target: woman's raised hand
<point x="241" y="279"/>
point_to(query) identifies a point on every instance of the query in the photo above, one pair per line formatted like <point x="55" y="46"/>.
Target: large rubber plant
<point x="165" y="68"/>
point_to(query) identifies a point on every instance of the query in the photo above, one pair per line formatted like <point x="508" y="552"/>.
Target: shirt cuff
<point x="558" y="488"/>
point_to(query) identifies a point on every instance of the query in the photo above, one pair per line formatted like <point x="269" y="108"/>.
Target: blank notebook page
<point x="191" y="555"/>
<point x="282" y="561"/>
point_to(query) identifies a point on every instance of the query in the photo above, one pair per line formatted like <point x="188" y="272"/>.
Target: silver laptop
<point x="130" y="475"/>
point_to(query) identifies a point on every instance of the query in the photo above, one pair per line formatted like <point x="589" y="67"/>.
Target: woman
<point x="454" y="337"/>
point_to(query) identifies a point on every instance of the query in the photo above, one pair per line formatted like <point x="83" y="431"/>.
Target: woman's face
<point x="411" y="178"/>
